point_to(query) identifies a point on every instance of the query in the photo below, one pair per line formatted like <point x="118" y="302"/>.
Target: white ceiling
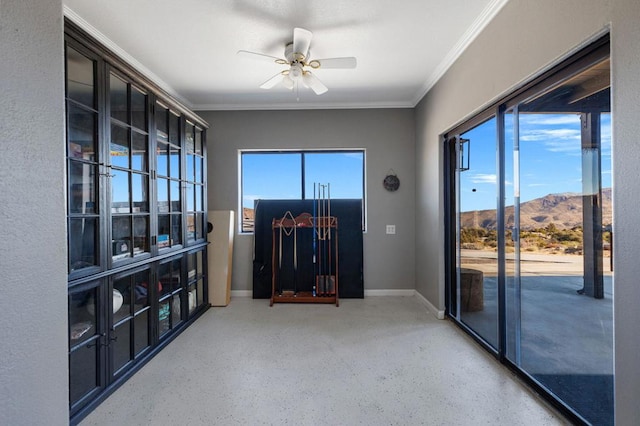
<point x="189" y="46"/>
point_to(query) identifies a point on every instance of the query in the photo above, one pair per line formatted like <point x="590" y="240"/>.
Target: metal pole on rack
<point x="324" y="240"/>
<point x="314" y="219"/>
<point x="330" y="277"/>
<point x="319" y="230"/>
<point x="295" y="257"/>
<point x="280" y="262"/>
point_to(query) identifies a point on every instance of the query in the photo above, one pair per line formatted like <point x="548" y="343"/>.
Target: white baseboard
<point x="435" y="311"/>
<point x="389" y="292"/>
<point x="241" y="293"/>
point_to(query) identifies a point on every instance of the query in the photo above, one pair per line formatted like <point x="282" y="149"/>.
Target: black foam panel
<point x="302" y="278"/>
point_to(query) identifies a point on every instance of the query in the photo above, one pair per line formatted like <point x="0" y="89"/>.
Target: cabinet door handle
<point x="107" y="174"/>
<point x="97" y="342"/>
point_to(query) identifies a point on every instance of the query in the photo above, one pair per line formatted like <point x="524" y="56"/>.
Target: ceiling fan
<point x="297" y="58"/>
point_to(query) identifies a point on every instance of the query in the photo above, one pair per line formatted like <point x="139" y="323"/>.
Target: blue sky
<point x="272" y="176"/>
<point x="550" y="159"/>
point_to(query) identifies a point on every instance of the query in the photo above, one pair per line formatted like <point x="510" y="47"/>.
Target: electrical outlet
<point x="391" y="229"/>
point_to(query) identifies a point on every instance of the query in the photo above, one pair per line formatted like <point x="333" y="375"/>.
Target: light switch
<point x="391" y="229"/>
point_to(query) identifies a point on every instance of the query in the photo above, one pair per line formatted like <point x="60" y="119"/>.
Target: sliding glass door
<point x="559" y="304"/>
<point x="476" y="285"/>
<point x="530" y="235"/>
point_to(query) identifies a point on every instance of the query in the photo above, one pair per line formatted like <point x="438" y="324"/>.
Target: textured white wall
<point x="387" y="135"/>
<point x="33" y="301"/>
<point x="522" y="40"/>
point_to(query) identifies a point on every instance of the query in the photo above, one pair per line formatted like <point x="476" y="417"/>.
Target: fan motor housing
<point x="289" y="54"/>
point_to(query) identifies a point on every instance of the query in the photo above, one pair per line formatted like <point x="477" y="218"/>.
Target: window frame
<point x="302" y="153"/>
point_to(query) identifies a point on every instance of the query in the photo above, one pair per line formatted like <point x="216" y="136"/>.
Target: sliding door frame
<point x="596" y="52"/>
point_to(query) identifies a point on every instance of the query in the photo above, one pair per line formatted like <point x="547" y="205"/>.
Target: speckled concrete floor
<point x="377" y="361"/>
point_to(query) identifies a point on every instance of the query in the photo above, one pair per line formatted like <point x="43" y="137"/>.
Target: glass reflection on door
<point x="476" y="231"/>
<point x="558" y="220"/>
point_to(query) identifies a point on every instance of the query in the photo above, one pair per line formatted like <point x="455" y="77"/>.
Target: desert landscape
<point x="548" y="225"/>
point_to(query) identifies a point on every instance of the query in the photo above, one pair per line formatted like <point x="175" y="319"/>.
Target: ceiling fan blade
<point x="336" y="63"/>
<point x="272" y="81"/>
<point x="313" y="83"/>
<point x="301" y="42"/>
<point x="255" y="55"/>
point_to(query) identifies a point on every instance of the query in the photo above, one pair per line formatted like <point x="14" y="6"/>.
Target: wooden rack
<point x="324" y="285"/>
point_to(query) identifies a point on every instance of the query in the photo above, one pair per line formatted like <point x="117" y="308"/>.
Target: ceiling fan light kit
<point x="297" y="56"/>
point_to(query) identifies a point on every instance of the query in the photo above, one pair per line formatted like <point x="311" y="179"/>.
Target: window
<point x="291" y="175"/>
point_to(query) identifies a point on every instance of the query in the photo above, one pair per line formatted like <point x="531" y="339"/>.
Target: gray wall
<point x="523" y="39"/>
<point x="33" y="305"/>
<point x="388" y="137"/>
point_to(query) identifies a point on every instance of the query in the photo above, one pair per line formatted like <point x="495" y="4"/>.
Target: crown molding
<point x="302" y="106"/>
<point x="133" y="62"/>
<point x="467" y="38"/>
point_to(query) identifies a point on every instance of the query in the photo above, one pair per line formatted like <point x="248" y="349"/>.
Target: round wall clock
<point x="391" y="183"/>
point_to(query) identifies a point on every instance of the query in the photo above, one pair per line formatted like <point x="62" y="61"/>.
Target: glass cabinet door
<point x="129" y="170"/>
<point x="171" y="293"/>
<point x="86" y="342"/>
<point x="196" y="276"/>
<point x="82" y="162"/>
<point x="194" y="183"/>
<point x="169" y="192"/>
<point x="130" y="326"/>
<point x="121" y="334"/>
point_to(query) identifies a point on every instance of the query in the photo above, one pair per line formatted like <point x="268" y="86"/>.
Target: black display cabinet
<point x="136" y="216"/>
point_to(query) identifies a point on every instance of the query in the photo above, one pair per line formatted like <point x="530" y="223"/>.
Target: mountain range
<point x="563" y="210"/>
